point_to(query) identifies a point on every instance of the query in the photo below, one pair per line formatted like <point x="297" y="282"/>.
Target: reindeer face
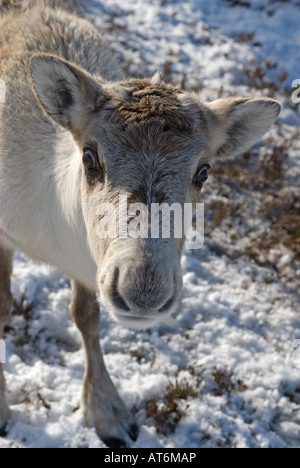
<point x="148" y="143"/>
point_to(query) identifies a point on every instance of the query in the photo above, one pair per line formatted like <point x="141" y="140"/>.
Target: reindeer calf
<point x="76" y="133"/>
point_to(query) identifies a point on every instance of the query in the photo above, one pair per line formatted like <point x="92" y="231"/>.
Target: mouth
<point x="140" y="321"/>
<point x="137" y="323"/>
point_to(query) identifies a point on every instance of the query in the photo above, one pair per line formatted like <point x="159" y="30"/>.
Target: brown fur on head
<point x="151" y="101"/>
<point x="149" y="139"/>
<point x="149" y="111"/>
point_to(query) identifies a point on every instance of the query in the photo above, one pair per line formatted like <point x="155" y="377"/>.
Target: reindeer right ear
<point x="64" y="91"/>
<point x="235" y="124"/>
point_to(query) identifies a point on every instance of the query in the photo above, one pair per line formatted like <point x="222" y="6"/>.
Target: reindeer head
<point x="153" y="143"/>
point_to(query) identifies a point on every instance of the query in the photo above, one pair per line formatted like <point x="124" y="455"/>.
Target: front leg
<point x="5" y="308"/>
<point x="102" y="406"/>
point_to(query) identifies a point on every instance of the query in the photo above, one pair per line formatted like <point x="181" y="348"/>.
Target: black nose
<point x="134" y="293"/>
<point x="169" y="304"/>
<point x="116" y="298"/>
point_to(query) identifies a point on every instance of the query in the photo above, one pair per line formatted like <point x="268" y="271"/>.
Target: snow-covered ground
<point x="226" y="374"/>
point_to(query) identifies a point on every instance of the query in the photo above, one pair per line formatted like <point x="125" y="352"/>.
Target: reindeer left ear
<point x="235" y="124"/>
<point x="64" y="91"/>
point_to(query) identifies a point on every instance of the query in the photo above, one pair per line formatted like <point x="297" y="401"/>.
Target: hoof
<point x="115" y="442"/>
<point x="134" y="432"/>
<point x="4" y="430"/>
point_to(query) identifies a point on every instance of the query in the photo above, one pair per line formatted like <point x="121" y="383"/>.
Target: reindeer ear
<point x="64" y="91"/>
<point x="235" y="124"/>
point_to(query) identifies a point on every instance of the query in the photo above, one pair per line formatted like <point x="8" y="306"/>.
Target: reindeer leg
<point x="5" y="310"/>
<point x="102" y="406"/>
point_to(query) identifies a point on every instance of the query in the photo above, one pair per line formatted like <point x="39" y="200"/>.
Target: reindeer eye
<point x="202" y="175"/>
<point x="89" y="160"/>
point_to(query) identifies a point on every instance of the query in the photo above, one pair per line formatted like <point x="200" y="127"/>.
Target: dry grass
<point x="23" y="307"/>
<point x="167" y="412"/>
<point x="225" y="385"/>
<point x="263" y="189"/>
<point x="256" y="73"/>
<point x="284" y="215"/>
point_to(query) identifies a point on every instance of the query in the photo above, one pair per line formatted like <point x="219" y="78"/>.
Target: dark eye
<point x="89" y="160"/>
<point x="202" y="175"/>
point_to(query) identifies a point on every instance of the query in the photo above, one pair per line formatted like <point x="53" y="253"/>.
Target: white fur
<point x="49" y="205"/>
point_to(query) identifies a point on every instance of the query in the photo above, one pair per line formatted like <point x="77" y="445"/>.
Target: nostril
<point x="119" y="302"/>
<point x="116" y="297"/>
<point x="168" y="305"/>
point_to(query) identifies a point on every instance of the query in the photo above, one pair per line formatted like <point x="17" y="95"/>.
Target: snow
<point x="232" y="340"/>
